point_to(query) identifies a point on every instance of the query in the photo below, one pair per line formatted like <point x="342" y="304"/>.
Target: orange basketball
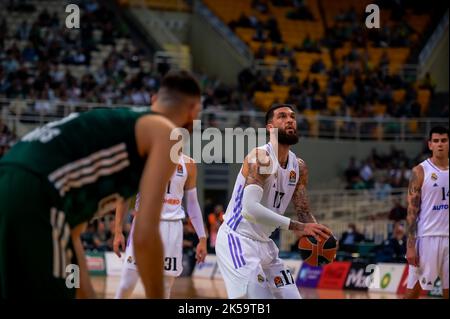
<point x="317" y="253"/>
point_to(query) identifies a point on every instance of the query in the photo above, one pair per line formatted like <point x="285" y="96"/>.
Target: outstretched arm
<point x="86" y="291"/>
<point x="119" y="238"/>
<point x="152" y="137"/>
<point x="193" y="209"/>
<point x="414" y="200"/>
<point x="300" y="197"/>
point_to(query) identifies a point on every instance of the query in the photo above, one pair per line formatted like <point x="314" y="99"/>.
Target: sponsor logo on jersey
<point x="278" y="281"/>
<point x="292" y="177"/>
<point x="179" y="170"/>
<point x="172" y="201"/>
<point x="440" y="207"/>
<point x="434" y="176"/>
<point x="260" y="278"/>
<point x="435" y="185"/>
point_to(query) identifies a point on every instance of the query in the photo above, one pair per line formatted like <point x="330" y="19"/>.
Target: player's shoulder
<point x="418" y="171"/>
<point x="302" y="165"/>
<point x="301" y="162"/>
<point x="156" y="121"/>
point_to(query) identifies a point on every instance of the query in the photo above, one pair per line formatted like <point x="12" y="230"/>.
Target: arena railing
<point x="22" y="115"/>
<point x="367" y="209"/>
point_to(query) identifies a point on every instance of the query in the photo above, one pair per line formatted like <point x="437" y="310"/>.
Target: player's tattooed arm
<point x="300" y="197"/>
<point x="256" y="167"/>
<point x="414" y="200"/>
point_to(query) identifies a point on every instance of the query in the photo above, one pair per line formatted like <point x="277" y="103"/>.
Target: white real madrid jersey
<point x="278" y="190"/>
<point x="172" y="207"/>
<point x="433" y="216"/>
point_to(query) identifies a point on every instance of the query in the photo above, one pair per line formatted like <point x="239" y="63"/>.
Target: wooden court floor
<point x="186" y="287"/>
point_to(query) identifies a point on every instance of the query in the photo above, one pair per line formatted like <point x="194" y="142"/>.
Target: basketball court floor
<point x="186" y="287"/>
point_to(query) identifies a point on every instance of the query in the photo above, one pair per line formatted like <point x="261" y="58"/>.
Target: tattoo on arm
<point x="300" y="197"/>
<point x="414" y="200"/>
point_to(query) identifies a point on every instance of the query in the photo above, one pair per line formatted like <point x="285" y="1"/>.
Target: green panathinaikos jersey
<point x="89" y="159"/>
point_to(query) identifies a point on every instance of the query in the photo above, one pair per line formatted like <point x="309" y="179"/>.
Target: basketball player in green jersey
<point x="60" y="176"/>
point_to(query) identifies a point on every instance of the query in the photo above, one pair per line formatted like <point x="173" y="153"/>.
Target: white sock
<point x="128" y="281"/>
<point x="168" y="284"/>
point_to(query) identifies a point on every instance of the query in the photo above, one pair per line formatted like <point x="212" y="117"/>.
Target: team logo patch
<point x="179" y="169"/>
<point x="130" y="260"/>
<point x="278" y="281"/>
<point x="260" y="278"/>
<point x="434" y="177"/>
<point x="424" y="281"/>
<point x="292" y="177"/>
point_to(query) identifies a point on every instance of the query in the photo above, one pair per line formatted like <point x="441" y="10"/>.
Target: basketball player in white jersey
<point x="247" y="257"/>
<point x="182" y="183"/>
<point x="427" y="247"/>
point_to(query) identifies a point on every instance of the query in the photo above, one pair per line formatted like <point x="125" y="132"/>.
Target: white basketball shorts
<point x="244" y="261"/>
<point x="172" y="239"/>
<point x="433" y="263"/>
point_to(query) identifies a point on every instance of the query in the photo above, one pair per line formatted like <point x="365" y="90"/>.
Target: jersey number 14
<point x="444" y="194"/>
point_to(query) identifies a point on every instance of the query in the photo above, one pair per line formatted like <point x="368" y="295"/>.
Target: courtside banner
<point x="334" y="275"/>
<point x="357" y="277"/>
<point x="309" y="276"/>
<point x="294" y="266"/>
<point x="206" y="269"/>
<point x="387" y="277"/>
<point x="96" y="263"/>
<point x="113" y="264"/>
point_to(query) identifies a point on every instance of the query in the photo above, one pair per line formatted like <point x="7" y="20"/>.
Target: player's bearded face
<point x="284" y="120"/>
<point x="287" y="136"/>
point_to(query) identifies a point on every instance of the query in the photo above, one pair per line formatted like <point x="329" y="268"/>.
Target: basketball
<point x="317" y="253"/>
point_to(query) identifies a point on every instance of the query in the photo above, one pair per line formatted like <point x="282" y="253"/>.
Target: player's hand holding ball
<point x="317" y="244"/>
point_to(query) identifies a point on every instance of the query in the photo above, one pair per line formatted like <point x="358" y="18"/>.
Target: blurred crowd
<point x="382" y="172"/>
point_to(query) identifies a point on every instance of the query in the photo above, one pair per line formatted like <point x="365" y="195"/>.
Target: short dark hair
<point x="271" y="110"/>
<point x="182" y="82"/>
<point x="438" y="130"/>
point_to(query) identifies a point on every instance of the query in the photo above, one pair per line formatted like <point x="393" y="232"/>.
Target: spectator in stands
<point x="260" y="34"/>
<point x="278" y="77"/>
<point x="350" y="237"/>
<point x="243" y="21"/>
<point x="318" y="66"/>
<point x="352" y="170"/>
<point x="366" y="173"/>
<point x="88" y="238"/>
<point x="393" y="249"/>
<point x="428" y="83"/>
<point x="260" y="5"/>
<point x="300" y="12"/>
<point x="261" y="52"/>
<point x="308" y="45"/>
<point x="103" y="237"/>
<point x="398" y="212"/>
<point x="382" y="188"/>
